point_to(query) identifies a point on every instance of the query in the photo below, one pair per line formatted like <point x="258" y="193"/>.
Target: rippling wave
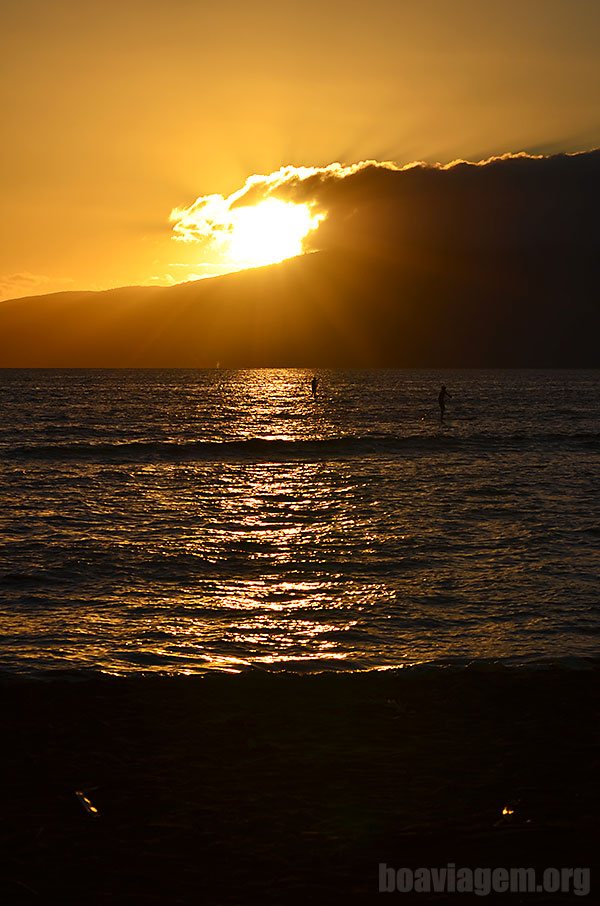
<point x="266" y="448"/>
<point x="193" y="521"/>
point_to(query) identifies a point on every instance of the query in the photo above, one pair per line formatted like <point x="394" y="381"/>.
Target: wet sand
<point x="282" y="789"/>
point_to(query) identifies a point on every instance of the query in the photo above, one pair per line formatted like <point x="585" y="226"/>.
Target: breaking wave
<point x="280" y="448"/>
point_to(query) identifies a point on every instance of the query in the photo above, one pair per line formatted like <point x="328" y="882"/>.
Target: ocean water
<point x="184" y="521"/>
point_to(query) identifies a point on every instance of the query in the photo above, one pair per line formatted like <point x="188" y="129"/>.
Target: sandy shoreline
<point x="262" y="788"/>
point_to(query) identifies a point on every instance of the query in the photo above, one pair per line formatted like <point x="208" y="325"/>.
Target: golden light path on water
<point x="224" y="520"/>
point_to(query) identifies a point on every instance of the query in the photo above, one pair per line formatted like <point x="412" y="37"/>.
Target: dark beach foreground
<point x="263" y="788"/>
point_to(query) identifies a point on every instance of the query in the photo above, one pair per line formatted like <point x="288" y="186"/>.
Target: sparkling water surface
<point x="178" y="521"/>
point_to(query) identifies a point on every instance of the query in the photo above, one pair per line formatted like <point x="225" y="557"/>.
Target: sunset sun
<point x="251" y="227"/>
<point x="269" y="232"/>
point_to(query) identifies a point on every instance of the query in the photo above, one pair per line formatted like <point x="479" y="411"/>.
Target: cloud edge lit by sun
<point x="277" y="216"/>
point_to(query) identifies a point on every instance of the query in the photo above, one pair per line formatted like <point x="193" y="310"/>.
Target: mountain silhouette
<point x="423" y="307"/>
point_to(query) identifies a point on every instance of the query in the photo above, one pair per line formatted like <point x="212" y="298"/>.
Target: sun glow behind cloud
<point x="277" y="216"/>
<point x="258" y="224"/>
<point x="240" y="233"/>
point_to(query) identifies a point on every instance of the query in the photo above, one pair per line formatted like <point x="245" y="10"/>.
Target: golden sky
<point x="116" y="113"/>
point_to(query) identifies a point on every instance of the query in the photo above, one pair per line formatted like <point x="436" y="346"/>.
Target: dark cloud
<point x="516" y="200"/>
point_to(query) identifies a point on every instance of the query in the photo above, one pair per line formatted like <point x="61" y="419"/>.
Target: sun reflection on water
<point x="185" y="558"/>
